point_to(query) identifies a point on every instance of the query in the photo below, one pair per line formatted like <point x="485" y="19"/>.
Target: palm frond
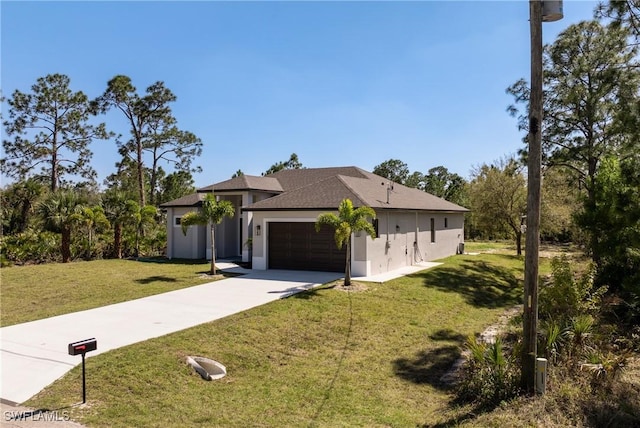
<point x="192" y="218"/>
<point x="327" y="219"/>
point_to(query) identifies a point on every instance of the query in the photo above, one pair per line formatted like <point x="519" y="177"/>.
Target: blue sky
<point x="338" y="83"/>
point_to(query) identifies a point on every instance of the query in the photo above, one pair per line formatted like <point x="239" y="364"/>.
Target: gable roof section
<point x="373" y="192"/>
<point x="191" y="200"/>
<point x="295" y="178"/>
<point x="325" y="194"/>
<point x="245" y="182"/>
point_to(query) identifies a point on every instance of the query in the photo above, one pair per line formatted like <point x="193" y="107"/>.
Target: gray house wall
<point x="228" y="231"/>
<point x="180" y="246"/>
<point x="398" y="231"/>
<point x="393" y="249"/>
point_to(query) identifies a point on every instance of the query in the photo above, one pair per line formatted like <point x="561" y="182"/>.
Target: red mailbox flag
<point x="77" y="348"/>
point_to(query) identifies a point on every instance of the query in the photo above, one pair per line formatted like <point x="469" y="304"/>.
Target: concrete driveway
<point x="34" y="354"/>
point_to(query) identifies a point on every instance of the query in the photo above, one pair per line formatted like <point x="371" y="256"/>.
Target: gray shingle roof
<point x="324" y="189"/>
<point x="185" y="201"/>
<point x="245" y="182"/>
<point x="295" y="178"/>
<point x="323" y="194"/>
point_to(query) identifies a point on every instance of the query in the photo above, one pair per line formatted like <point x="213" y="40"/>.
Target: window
<point x="177" y="221"/>
<point x="446" y="222"/>
<point x="375" y="227"/>
<point x="433" y="230"/>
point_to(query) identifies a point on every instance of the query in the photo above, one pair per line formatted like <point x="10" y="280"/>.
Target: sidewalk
<point x="388" y="276"/>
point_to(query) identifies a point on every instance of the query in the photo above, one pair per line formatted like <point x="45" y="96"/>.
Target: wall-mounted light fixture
<point x="397" y="228"/>
<point x="258" y="230"/>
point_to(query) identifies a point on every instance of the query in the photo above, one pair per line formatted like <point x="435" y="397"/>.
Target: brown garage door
<point x="298" y="246"/>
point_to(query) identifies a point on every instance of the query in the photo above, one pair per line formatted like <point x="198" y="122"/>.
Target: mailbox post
<point x="81" y="348"/>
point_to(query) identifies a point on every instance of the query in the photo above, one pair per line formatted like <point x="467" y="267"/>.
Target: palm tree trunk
<point x="117" y="240"/>
<point x="89" y="243"/>
<point x="66" y="245"/>
<point x="347" y="268"/>
<point x="213" y="250"/>
<point x="137" y="241"/>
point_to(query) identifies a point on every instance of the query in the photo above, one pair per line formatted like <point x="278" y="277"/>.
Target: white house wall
<point x="393" y="248"/>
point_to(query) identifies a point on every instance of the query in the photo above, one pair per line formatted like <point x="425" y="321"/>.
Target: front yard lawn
<point x="325" y="358"/>
<point x="39" y="291"/>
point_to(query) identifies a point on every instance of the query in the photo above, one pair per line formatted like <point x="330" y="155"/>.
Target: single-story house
<point x="274" y="225"/>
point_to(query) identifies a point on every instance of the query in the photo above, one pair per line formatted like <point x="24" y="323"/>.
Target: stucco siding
<point x="228" y="231"/>
<point x="405" y="239"/>
<point x="180" y="246"/>
<point x="393" y="248"/>
<point x="359" y="244"/>
<point x="447" y="238"/>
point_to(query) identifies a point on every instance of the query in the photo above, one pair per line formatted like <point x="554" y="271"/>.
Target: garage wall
<point x="393" y="249"/>
<point x="359" y="263"/>
<point x="261" y="219"/>
<point x="297" y="245"/>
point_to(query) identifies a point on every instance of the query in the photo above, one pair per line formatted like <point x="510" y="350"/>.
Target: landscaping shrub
<point x="30" y="247"/>
<point x="566" y="296"/>
<point x="491" y="375"/>
<point x="552" y="338"/>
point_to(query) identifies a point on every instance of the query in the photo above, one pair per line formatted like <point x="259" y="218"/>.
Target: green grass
<point x="325" y="358"/>
<point x="40" y="291"/>
<point x="486" y="246"/>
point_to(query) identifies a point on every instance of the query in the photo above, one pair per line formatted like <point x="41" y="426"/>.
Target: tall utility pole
<point x="532" y="247"/>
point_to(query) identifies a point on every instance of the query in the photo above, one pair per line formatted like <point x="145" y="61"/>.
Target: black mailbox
<point x="83" y="346"/>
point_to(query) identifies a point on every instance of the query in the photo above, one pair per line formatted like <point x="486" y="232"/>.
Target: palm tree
<point x="143" y="216"/>
<point x="212" y="213"/>
<point x="347" y="222"/>
<point x="93" y="218"/>
<point x="18" y="204"/>
<point x="61" y="210"/>
<point x="120" y="210"/>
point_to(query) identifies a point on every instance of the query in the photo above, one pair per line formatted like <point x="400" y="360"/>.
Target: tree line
<point x="591" y="160"/>
<point x="591" y="152"/>
<point x="50" y="130"/>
